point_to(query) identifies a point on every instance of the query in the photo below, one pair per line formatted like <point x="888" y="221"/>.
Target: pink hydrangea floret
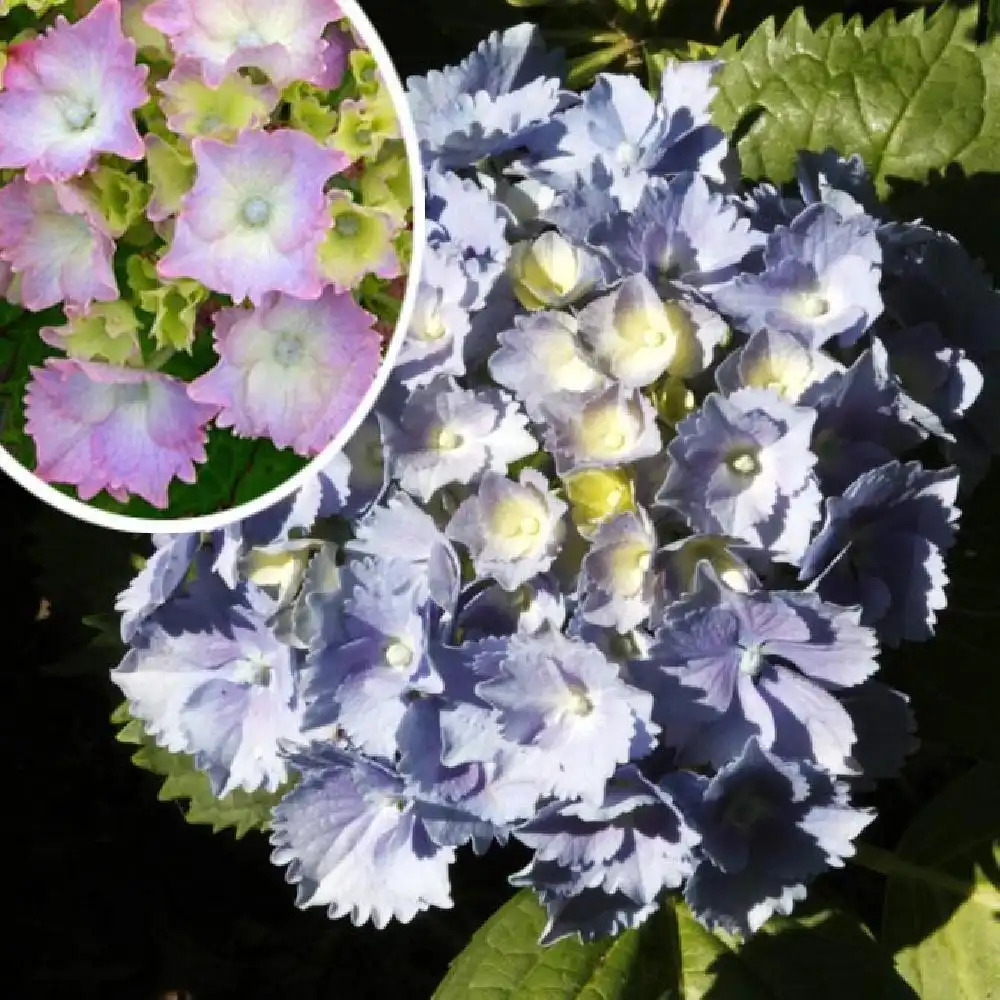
<point x="255" y="218"/>
<point x="101" y="427"/>
<point x="69" y="95"/>
<point x="284" y="38"/>
<point x="58" y="244"/>
<point x="291" y="370"/>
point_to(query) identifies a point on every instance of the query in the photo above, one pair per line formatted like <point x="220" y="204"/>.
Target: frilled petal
<point x="69" y="94"/>
<point x="100" y="427"/>
<point x="57" y="244"/>
<point x="291" y="370"/>
<point x="256" y="216"/>
<point x="356" y="841"/>
<point x="285" y="39"/>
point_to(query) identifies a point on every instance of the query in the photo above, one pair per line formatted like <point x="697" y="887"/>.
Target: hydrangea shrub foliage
<point x="204" y="226"/>
<point x="667" y="461"/>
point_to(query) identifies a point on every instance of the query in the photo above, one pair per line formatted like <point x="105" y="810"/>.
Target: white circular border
<point x="211" y="522"/>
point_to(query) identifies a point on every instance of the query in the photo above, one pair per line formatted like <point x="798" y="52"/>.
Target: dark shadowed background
<point x="111" y="895"/>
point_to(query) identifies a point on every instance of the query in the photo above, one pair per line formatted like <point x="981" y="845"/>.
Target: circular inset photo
<point x="209" y="210"/>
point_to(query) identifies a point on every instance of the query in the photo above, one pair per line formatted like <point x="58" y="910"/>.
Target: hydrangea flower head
<point x="763" y="664"/>
<point x="882" y="544"/>
<point x="355" y="839"/>
<point x="256" y="216"/>
<point x="101" y="427"/>
<point x="447" y="434"/>
<point x="619" y="135"/>
<point x="783" y="362"/>
<point x="57" y="244"/>
<point x="291" y="370"/>
<point x="541" y="358"/>
<point x="590" y="858"/>
<point x="557" y="694"/>
<point x="617" y="578"/>
<point x="284" y="39"/>
<point x="680" y="232"/>
<point x="513" y="531"/>
<point x="611" y="428"/>
<point x="821" y="280"/>
<point x="549" y="272"/>
<point x="635" y="335"/>
<point x="77" y="85"/>
<point x="768" y="827"/>
<point x="492" y="101"/>
<point x="210" y="679"/>
<point x="742" y="466"/>
<point x="362" y="678"/>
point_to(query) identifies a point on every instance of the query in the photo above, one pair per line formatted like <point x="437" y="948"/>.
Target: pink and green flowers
<point x="209" y="204"/>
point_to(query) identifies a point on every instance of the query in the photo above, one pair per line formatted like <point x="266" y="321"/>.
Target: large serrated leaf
<point x="947" y="943"/>
<point x="240" y="811"/>
<point x="911" y="96"/>
<point x="824" y="954"/>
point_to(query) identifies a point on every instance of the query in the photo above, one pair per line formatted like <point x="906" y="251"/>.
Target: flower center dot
<point x="249" y="39"/>
<point x="79" y="116"/>
<point x="347" y="225"/>
<point x="363" y="135"/>
<point x="653" y="338"/>
<point x="398" y="654"/>
<point x="744" y="462"/>
<point x="614" y="440"/>
<point x="814" y="306"/>
<point x="257" y="211"/>
<point x="752" y="660"/>
<point x="288" y="349"/>
<point x="580" y="701"/>
<point x="530" y="525"/>
<point x="447" y="440"/>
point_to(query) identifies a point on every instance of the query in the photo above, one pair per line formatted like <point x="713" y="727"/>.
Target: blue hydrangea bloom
<point x="635" y="843"/>
<point x="466" y="236"/>
<point x="447" y="434"/>
<point x="207" y="677"/>
<point x="541" y="359"/>
<point x="764" y="664"/>
<point x="885" y="728"/>
<point x="494" y="100"/>
<point x="617" y="580"/>
<point x="741" y="466"/>
<point x="619" y="135"/>
<point x="882" y="546"/>
<point x="512" y="530"/>
<point x="933" y="372"/>
<point x="681" y="232"/>
<point x="820" y="280"/>
<point x="156" y="582"/>
<point x="556" y="694"/>
<point x="863" y="421"/>
<point x="784" y="362"/>
<point x="361" y="682"/>
<point x="610" y="428"/>
<point x="768" y="827"/>
<point x="355" y="840"/>
<point x="399" y="530"/>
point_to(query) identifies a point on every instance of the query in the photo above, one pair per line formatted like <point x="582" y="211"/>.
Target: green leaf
<point x="911" y="96"/>
<point x="947" y="944"/>
<point x="504" y="961"/>
<point x="992" y="16"/>
<point x="241" y="811"/>
<point x="821" y="954"/>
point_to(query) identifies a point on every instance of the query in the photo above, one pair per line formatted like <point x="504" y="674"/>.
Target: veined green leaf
<point x="947" y="944"/>
<point x="911" y="96"/>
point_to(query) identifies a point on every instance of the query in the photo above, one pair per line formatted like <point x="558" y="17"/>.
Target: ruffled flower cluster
<point x="210" y="201"/>
<point x="663" y="464"/>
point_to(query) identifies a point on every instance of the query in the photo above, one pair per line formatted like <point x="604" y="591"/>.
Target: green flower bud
<point x="545" y="272"/>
